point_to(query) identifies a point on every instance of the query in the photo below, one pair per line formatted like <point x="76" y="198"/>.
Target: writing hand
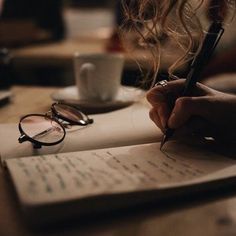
<point x="206" y="113"/>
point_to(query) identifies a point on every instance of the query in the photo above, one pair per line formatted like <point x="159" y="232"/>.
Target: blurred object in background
<point x="5" y="75"/>
<point x="93" y="20"/>
<point x="222" y="82"/>
<point x="28" y="21"/>
<point x="223" y="60"/>
<point x="90" y="27"/>
<point x="90" y="3"/>
<point x="88" y="23"/>
<point x="5" y="69"/>
<point x="1" y="6"/>
<point x="114" y="44"/>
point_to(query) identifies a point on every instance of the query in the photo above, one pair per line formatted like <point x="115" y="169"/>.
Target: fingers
<point x="213" y="107"/>
<point x="160" y="115"/>
<point x="195" y="126"/>
<point x="154" y="116"/>
<point x="187" y="107"/>
<point x="159" y="99"/>
<point x="157" y="94"/>
<point x="182" y="109"/>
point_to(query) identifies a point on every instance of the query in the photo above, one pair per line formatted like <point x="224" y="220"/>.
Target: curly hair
<point x="175" y="20"/>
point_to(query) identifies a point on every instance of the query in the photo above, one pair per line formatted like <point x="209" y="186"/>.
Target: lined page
<point x="67" y="176"/>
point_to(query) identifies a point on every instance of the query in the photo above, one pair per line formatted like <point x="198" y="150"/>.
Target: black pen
<point x="209" y="44"/>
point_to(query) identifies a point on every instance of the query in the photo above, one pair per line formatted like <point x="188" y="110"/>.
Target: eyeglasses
<point x="50" y="128"/>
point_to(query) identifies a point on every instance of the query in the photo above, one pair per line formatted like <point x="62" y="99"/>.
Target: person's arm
<point x="206" y="113"/>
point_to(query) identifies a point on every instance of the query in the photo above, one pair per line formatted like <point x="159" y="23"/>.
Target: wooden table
<point x="25" y="100"/>
<point x="209" y="215"/>
<point x="37" y="64"/>
<point x="61" y="53"/>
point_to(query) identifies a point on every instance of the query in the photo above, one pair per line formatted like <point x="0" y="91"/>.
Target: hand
<point x="207" y="113"/>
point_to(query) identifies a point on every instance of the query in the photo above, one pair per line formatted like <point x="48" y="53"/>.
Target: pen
<point x="209" y="44"/>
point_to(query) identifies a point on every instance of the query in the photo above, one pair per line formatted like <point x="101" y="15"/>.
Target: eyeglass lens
<point x="71" y="113"/>
<point x="42" y="129"/>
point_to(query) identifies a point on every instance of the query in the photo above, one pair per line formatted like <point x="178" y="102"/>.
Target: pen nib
<point x="163" y="141"/>
<point x="167" y="135"/>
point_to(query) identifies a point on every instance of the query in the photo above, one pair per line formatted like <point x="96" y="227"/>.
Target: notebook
<point x="123" y="167"/>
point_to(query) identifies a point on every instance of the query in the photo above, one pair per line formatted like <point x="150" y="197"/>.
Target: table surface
<point x="61" y="53"/>
<point x="211" y="216"/>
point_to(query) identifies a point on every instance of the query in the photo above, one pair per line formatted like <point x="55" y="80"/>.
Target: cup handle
<point x="86" y="73"/>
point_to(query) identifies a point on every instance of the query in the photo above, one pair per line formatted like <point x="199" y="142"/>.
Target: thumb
<point x="185" y="108"/>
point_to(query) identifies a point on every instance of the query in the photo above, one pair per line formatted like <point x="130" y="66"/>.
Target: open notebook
<point x="128" y="126"/>
<point x="61" y="185"/>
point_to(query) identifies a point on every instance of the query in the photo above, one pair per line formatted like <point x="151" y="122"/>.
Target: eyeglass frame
<point x="55" y="116"/>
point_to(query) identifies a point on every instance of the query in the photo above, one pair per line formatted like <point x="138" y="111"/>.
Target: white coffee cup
<point x="98" y="76"/>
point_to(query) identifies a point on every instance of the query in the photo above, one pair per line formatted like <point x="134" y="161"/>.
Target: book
<point x="61" y="185"/>
<point x="128" y="126"/>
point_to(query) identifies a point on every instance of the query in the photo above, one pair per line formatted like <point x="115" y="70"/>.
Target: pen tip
<point x="163" y="141"/>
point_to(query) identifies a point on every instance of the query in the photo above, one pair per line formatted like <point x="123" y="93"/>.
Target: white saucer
<point x="125" y="97"/>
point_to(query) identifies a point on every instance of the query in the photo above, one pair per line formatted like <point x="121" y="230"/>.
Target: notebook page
<point x="128" y="126"/>
<point x="67" y="176"/>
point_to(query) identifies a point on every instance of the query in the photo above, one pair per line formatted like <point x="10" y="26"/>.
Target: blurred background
<point x="38" y="40"/>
